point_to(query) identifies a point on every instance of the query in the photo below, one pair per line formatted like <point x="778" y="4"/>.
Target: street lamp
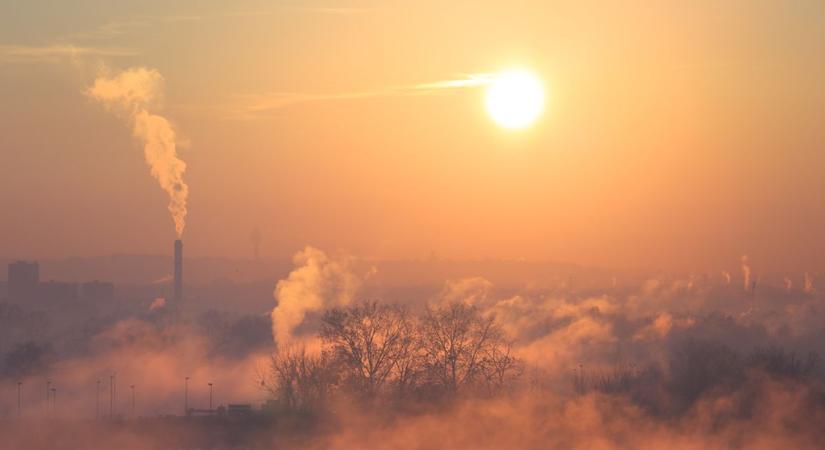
<point x="111" y="396"/>
<point x="186" y="396"/>
<point x="19" y="397"/>
<point x="210" y="397"/>
<point x="48" y="389"/>
<point x="97" y="401"/>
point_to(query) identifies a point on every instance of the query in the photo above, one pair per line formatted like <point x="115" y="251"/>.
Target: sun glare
<point x="515" y="99"/>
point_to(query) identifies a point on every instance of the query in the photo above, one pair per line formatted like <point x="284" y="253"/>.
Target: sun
<point x="515" y="98"/>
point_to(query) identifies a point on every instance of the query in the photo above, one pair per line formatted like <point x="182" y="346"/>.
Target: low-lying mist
<point x="701" y="362"/>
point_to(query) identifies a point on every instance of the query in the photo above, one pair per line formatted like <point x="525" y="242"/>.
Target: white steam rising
<point x="808" y="284"/>
<point x="746" y="272"/>
<point x="317" y="283"/>
<point x="132" y="92"/>
<point x="727" y="277"/>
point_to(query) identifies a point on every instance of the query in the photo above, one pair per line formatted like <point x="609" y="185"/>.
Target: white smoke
<point x="473" y="290"/>
<point x="727" y="277"/>
<point x="746" y="272"/>
<point x="158" y="303"/>
<point x="788" y="284"/>
<point x="808" y="284"/>
<point x="318" y="282"/>
<point x="132" y="92"/>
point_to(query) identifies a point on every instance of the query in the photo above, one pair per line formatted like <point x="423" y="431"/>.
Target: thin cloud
<point x="79" y="44"/>
<point x="125" y="26"/>
<point x="260" y="105"/>
<point x="57" y="52"/>
<point x="120" y="27"/>
<point x="328" y="10"/>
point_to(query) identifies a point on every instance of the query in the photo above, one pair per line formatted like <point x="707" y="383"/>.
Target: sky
<point x="675" y="136"/>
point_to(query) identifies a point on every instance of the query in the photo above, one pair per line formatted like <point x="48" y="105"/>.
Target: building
<point x="23" y="280"/>
<point x="57" y="291"/>
<point x="243" y="409"/>
<point x="96" y="291"/>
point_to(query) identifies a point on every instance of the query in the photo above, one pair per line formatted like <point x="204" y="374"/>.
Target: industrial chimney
<point x="178" y="271"/>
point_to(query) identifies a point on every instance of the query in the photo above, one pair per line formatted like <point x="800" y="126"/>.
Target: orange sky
<point x="677" y="135"/>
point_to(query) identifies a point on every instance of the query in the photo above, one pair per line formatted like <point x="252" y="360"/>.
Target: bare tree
<point x="372" y="349"/>
<point x="409" y="360"/>
<point x="373" y="342"/>
<point x="463" y="348"/>
<point x="300" y="381"/>
<point x="500" y="368"/>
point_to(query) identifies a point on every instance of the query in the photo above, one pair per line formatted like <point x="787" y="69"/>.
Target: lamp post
<point x="19" y="397"/>
<point x="186" y="396"/>
<point x="97" y="401"/>
<point x="111" y="396"/>
<point x="210" y="397"/>
<point x="48" y="389"/>
<point x="114" y="393"/>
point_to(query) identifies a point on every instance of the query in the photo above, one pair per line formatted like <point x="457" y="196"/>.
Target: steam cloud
<point x="727" y="277"/>
<point x="133" y="91"/>
<point x="667" y="363"/>
<point x="157" y="303"/>
<point x="809" y="284"/>
<point x="746" y="272"/>
<point x="319" y="282"/>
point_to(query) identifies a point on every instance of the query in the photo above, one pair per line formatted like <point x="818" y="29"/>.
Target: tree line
<point x="375" y="351"/>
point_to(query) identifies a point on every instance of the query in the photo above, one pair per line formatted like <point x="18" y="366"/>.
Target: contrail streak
<point x="257" y="105"/>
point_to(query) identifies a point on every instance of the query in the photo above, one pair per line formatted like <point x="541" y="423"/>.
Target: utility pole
<point x="48" y="389"/>
<point x="114" y="394"/>
<point x="111" y="396"/>
<point x="19" y="397"/>
<point x="132" y="386"/>
<point x="210" y="397"/>
<point x="97" y="401"/>
<point x="186" y="396"/>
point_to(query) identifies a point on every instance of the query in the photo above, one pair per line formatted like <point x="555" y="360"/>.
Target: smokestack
<point x="178" y="270"/>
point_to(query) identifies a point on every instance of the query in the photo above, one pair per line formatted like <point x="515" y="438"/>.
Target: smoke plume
<point x="746" y="272"/>
<point x="727" y="277"/>
<point x="809" y="284"/>
<point x="157" y="303"/>
<point x="318" y="282"/>
<point x="133" y="92"/>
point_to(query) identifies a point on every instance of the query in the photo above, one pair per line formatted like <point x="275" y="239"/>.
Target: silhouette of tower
<point x="178" y="270"/>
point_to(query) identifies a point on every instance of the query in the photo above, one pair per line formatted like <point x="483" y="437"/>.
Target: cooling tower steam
<point x="317" y="283"/>
<point x="808" y="284"/>
<point x="133" y="92"/>
<point x="727" y="277"/>
<point x="746" y="272"/>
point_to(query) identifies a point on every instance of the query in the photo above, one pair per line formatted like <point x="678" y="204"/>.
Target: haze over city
<point x="412" y="224"/>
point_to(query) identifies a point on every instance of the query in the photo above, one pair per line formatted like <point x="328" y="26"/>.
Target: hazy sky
<point x="677" y="134"/>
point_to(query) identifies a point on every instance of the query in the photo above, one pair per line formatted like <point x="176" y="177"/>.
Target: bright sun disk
<point x="515" y="98"/>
